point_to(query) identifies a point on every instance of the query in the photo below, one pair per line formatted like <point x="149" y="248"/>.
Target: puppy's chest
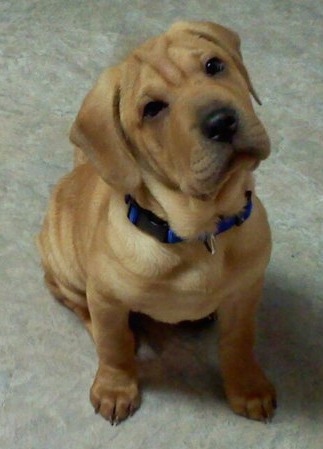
<point x="188" y="291"/>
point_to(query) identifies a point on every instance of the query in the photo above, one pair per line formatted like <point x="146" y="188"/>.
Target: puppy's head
<point x="179" y="109"/>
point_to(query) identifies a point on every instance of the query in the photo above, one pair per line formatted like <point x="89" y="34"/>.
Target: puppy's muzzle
<point x="220" y="125"/>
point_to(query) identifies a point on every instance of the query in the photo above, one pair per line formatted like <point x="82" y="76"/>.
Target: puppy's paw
<point x="114" y="394"/>
<point x="251" y="395"/>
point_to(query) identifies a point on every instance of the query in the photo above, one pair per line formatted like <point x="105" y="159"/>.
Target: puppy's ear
<point x="224" y="38"/>
<point x="97" y="130"/>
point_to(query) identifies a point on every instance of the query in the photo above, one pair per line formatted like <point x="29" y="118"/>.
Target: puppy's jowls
<point x="173" y="126"/>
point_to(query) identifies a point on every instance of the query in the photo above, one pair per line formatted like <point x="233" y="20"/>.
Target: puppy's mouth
<point x="209" y="181"/>
<point x="242" y="161"/>
<point x="246" y="158"/>
<point x="239" y="162"/>
<point x="232" y="141"/>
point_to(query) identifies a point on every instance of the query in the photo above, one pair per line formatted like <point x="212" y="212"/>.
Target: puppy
<point x="160" y="215"/>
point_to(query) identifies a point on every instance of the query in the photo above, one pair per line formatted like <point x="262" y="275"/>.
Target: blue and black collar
<point x="149" y="223"/>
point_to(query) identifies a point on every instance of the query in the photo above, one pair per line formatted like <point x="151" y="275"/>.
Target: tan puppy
<point x="174" y="126"/>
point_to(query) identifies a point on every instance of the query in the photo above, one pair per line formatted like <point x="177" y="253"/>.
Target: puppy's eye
<point x="153" y="108"/>
<point x="214" y="66"/>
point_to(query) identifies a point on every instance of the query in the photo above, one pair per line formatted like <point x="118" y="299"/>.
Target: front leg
<point x="248" y="390"/>
<point x="114" y="393"/>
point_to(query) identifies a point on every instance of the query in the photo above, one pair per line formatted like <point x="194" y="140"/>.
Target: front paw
<point x="250" y="394"/>
<point x="115" y="394"/>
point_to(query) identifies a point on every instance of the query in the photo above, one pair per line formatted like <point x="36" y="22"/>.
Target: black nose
<point x="220" y="125"/>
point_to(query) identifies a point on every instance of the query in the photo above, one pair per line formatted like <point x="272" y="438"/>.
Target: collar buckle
<point x="149" y="223"/>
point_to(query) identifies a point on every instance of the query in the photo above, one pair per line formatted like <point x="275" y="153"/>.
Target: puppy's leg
<point x="249" y="392"/>
<point x="114" y="393"/>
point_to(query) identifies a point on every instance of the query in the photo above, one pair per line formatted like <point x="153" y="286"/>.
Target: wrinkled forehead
<point x="164" y="56"/>
<point x="165" y="61"/>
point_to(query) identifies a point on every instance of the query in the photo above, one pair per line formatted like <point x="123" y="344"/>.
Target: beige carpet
<point x="51" y="53"/>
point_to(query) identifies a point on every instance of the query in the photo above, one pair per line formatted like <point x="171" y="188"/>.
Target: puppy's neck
<point x="190" y="217"/>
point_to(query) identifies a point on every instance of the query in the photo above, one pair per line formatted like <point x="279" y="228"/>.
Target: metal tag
<point x="210" y="243"/>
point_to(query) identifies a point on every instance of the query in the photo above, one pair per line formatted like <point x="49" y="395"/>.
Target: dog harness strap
<point x="148" y="222"/>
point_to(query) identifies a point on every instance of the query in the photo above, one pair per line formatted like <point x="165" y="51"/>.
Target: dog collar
<point x="149" y="223"/>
